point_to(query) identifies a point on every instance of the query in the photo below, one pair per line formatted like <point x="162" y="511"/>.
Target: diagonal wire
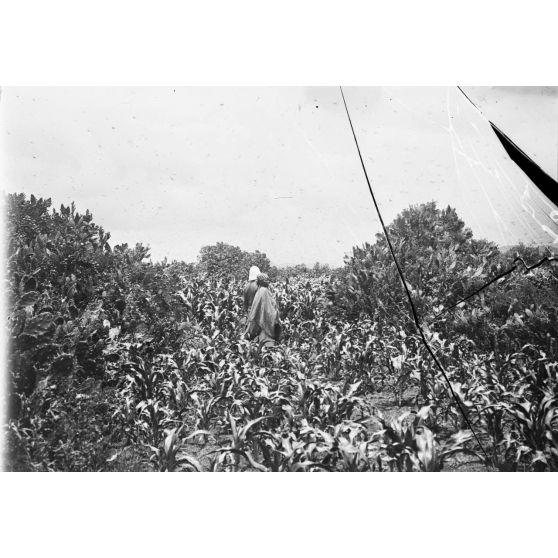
<point x="515" y="261"/>
<point x="515" y="265"/>
<point x="402" y="277"/>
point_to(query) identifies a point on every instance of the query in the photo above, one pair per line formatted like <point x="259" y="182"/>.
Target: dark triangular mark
<point x="546" y="184"/>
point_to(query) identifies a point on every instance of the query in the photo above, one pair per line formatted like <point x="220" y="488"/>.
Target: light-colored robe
<point x="264" y="321"/>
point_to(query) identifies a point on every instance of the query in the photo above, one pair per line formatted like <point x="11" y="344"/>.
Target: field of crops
<point x="117" y="364"/>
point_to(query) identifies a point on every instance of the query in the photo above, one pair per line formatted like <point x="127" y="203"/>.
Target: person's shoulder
<point x="261" y="291"/>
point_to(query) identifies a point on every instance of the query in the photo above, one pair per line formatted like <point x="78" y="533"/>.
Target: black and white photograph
<point x="298" y="237"/>
<point x="281" y="279"/>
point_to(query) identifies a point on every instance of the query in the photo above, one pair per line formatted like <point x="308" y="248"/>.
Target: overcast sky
<point x="275" y="168"/>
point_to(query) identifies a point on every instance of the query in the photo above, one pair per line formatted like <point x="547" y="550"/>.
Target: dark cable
<point x="500" y="276"/>
<point x="402" y="277"/>
<point x="467" y="97"/>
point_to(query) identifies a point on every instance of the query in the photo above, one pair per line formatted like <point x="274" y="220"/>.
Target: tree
<point x="225" y="260"/>
<point x="440" y="260"/>
<point x="257" y="258"/>
<point x="220" y="259"/>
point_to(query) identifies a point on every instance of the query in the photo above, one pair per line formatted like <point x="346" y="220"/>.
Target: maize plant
<point x="118" y="363"/>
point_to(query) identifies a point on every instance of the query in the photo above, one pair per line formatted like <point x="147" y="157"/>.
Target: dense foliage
<point x="120" y="364"/>
<point x="222" y="259"/>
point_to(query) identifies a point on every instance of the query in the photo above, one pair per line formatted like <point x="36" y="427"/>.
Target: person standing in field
<point x="264" y="322"/>
<point x="251" y="288"/>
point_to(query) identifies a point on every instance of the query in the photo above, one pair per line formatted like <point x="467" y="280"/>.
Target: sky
<point x="275" y="169"/>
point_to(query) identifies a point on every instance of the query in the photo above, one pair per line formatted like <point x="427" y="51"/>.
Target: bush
<point x="68" y="296"/>
<point x="440" y="260"/>
<point x="117" y="364"/>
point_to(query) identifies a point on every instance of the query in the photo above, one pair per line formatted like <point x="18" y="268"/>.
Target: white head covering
<point x="254" y="272"/>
